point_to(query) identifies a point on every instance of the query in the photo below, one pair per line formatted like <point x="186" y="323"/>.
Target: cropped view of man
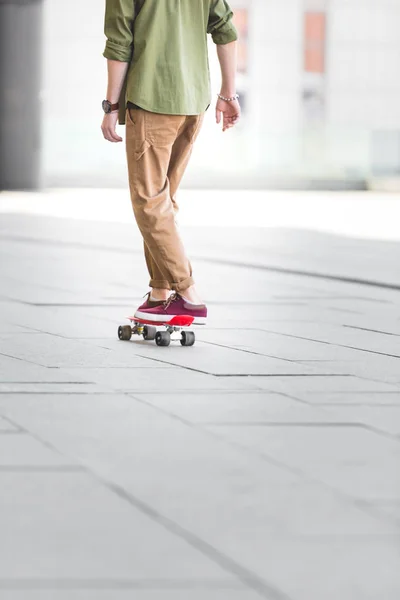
<point x="159" y="86"/>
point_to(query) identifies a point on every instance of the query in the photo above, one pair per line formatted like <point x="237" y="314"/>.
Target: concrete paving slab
<point x="131" y="355"/>
<point x="140" y="594"/>
<point x="275" y="345"/>
<point x="384" y="418"/>
<point x="56" y="525"/>
<point x="53" y="351"/>
<point x="355" y="569"/>
<point x="45" y="387"/>
<point x="320" y="384"/>
<point x="217" y="360"/>
<point x="366" y="482"/>
<point x="237" y="407"/>
<point x="350" y="398"/>
<point x="381" y="369"/>
<point x="324" y="330"/>
<point x="6" y="426"/>
<point x="24" y="451"/>
<point x="391" y="508"/>
<point x="368" y="339"/>
<point x="174" y="379"/>
<point x="357" y="461"/>
<point x="331" y="443"/>
<point x="121" y="379"/>
<point x="264" y="315"/>
<point x="11" y="328"/>
<point x="15" y="370"/>
<point x="69" y="321"/>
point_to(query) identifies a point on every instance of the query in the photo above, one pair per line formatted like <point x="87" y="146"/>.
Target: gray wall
<point x="20" y="101"/>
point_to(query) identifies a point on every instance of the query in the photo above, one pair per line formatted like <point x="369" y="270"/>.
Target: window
<point x="314" y="42"/>
<point x="241" y="21"/>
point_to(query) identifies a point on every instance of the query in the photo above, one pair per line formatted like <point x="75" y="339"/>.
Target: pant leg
<point x="156" y="277"/>
<point x="181" y="152"/>
<point x="180" y="156"/>
<point x="149" y="142"/>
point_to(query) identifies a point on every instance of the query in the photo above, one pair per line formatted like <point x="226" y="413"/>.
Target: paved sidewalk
<point x="264" y="462"/>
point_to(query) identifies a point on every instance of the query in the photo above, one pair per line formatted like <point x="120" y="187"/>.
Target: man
<point x="157" y="64"/>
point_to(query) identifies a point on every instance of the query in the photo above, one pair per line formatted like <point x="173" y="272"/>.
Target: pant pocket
<point x="130" y="116"/>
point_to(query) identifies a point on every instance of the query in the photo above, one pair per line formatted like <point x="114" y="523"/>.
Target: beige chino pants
<point x="158" y="149"/>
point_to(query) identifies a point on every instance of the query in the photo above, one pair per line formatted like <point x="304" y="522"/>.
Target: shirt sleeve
<point x="220" y="23"/>
<point x="118" y="29"/>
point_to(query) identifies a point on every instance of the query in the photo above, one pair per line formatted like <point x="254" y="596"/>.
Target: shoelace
<point x="173" y="297"/>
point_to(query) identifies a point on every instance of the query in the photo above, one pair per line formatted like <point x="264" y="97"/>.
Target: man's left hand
<point x="108" y="127"/>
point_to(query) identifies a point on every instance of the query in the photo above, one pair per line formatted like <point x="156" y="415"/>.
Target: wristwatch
<point x="108" y="107"/>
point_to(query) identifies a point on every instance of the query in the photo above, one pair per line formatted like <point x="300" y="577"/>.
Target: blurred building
<point x="320" y="87"/>
<point x="20" y="74"/>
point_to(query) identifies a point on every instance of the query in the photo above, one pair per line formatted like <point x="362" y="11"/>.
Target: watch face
<point x="106" y="104"/>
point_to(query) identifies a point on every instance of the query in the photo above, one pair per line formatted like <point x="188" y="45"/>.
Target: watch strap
<point x="108" y="107"/>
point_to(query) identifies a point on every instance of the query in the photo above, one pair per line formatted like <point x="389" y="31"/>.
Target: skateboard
<point x="150" y="330"/>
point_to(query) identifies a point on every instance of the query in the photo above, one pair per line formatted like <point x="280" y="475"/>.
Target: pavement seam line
<point x="246" y="576"/>
<point x="300" y="337"/>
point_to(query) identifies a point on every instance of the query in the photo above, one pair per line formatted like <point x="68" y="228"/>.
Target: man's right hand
<point x="230" y="112"/>
<point x="108" y="127"/>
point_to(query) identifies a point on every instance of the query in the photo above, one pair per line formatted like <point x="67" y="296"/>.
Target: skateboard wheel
<point x="149" y="332"/>
<point x="163" y="338"/>
<point x="125" y="332"/>
<point x="187" y="338"/>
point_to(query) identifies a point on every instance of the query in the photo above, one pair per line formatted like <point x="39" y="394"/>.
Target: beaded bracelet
<point x="235" y="97"/>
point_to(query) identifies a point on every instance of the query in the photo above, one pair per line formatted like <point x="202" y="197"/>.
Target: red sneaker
<point x="175" y="306"/>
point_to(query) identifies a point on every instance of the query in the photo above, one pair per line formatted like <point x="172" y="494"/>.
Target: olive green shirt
<point x="165" y="44"/>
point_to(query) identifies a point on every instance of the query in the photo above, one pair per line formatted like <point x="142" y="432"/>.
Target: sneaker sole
<point x="164" y="319"/>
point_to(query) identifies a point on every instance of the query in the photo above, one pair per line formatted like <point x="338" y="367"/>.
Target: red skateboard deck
<point x="177" y="321"/>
